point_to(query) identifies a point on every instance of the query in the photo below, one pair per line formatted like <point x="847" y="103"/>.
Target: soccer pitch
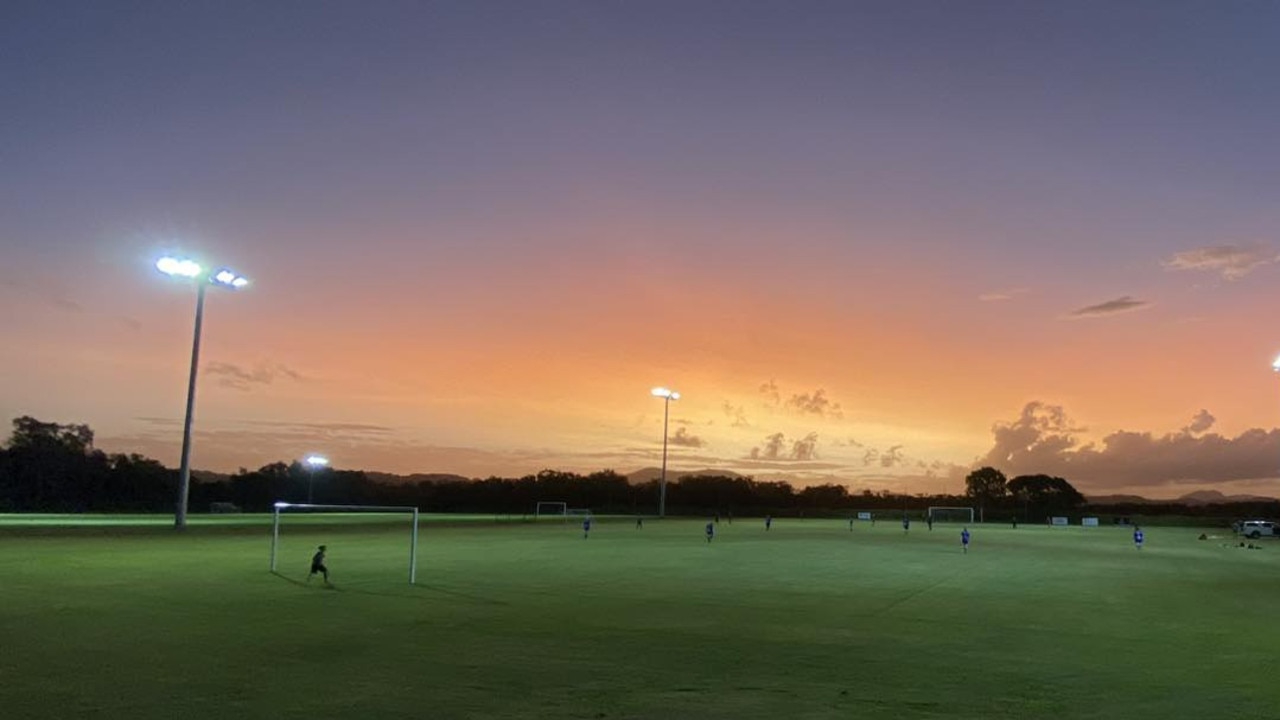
<point x="511" y="620"/>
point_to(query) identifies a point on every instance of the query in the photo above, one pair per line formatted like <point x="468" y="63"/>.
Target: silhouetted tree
<point x="986" y="486"/>
<point x="1046" y="495"/>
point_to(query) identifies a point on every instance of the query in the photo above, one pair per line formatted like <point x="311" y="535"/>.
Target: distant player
<point x="711" y="531"/>
<point x="768" y="522"/>
<point x="906" y="523"/>
<point x="639" y="522"/>
<point x="1137" y="537"/>
<point x="586" y="527"/>
<point x="929" y="521"/>
<point x="1015" y="522"/>
<point x="317" y="565"/>
<point x="850" y="523"/>
<point x="964" y="541"/>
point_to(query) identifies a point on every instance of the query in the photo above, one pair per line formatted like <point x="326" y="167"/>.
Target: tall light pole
<point x="314" y="464"/>
<point x="178" y="267"/>
<point x="667" y="396"/>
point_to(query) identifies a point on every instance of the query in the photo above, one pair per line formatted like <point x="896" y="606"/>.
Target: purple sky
<point x="486" y="229"/>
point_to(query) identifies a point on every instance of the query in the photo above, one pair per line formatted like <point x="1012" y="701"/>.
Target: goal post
<point x="280" y="507"/>
<point x="553" y="509"/>
<point x="951" y="514"/>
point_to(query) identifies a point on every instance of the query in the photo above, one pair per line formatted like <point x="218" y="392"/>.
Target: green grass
<point x="514" y="620"/>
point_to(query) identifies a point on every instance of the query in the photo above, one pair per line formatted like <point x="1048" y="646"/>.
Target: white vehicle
<point x="1256" y="528"/>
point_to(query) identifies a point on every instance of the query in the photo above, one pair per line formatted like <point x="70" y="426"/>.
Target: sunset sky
<point x="875" y="243"/>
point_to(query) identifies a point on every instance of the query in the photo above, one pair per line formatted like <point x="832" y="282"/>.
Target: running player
<point x="318" y="566"/>
<point x="964" y="541"/>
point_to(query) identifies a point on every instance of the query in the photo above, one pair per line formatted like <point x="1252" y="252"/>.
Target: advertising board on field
<point x="1061" y="521"/>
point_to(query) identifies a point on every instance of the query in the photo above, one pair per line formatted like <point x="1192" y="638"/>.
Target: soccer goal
<point x="551" y="509"/>
<point x="952" y="514"/>
<point x="282" y="508"/>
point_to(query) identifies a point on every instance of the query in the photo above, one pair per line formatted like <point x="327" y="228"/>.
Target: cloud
<point x="805" y="448"/>
<point x="233" y="376"/>
<point x="46" y="291"/>
<point x="1042" y="440"/>
<point x="770" y="392"/>
<point x="1201" y="422"/>
<point x="736" y="413"/>
<point x="772" y="450"/>
<point x="1002" y="295"/>
<point x="1110" y="307"/>
<point x="815" y="404"/>
<point x="775" y="448"/>
<point x="891" y="457"/>
<point x="682" y="438"/>
<point x="1232" y="262"/>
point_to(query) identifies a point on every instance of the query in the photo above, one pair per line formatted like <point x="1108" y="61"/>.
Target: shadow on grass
<point x="418" y="591"/>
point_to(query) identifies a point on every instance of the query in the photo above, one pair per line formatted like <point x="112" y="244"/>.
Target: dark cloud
<point x="805" y="448"/>
<point x="891" y="457"/>
<point x="772" y="450"/>
<point x="682" y="438"/>
<point x="770" y="392"/>
<point x="815" y="404"/>
<point x="1230" y="261"/>
<point x="1201" y="422"/>
<point x="775" y="448"/>
<point x="1110" y="307"/>
<point x="736" y="414"/>
<point x="1042" y="440"/>
<point x="236" y="377"/>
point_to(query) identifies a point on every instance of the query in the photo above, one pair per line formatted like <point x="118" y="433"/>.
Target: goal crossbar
<point x="939" y="510"/>
<point x="413" y="540"/>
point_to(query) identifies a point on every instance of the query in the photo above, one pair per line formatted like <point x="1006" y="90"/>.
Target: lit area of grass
<point x="516" y="620"/>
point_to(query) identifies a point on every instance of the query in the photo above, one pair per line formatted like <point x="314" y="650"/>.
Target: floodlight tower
<point x="192" y="270"/>
<point x="667" y="396"/>
<point x="314" y="464"/>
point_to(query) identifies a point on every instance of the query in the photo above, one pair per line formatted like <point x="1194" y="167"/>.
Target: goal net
<point x="347" y="514"/>
<point x="551" y="509"/>
<point x="952" y="514"/>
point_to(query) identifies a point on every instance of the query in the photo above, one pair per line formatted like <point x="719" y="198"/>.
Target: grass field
<point x="514" y="620"/>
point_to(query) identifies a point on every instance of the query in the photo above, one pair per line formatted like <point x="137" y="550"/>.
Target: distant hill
<point x="644" y="475"/>
<point x="414" y="479"/>
<point x="1213" y="497"/>
<point x="1120" y="500"/>
<point x="1199" y="497"/>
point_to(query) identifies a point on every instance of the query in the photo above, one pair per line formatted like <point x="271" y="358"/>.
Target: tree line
<point x="51" y="467"/>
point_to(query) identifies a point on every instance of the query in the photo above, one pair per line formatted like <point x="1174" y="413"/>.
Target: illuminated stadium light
<point x="179" y="267"/>
<point x="665" y="393"/>
<point x="667" y="396"/>
<point x="314" y="464"/>
<point x="230" y="279"/>
<point x="186" y="268"/>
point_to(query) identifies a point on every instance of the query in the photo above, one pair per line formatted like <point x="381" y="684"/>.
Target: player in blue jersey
<point x="586" y="527"/>
<point x="1137" y="537"/>
<point x="711" y="531"/>
<point x="906" y="523"/>
<point x="768" y="522"/>
<point x="964" y="540"/>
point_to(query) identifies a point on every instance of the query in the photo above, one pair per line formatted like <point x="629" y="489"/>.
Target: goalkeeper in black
<point x="317" y="565"/>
